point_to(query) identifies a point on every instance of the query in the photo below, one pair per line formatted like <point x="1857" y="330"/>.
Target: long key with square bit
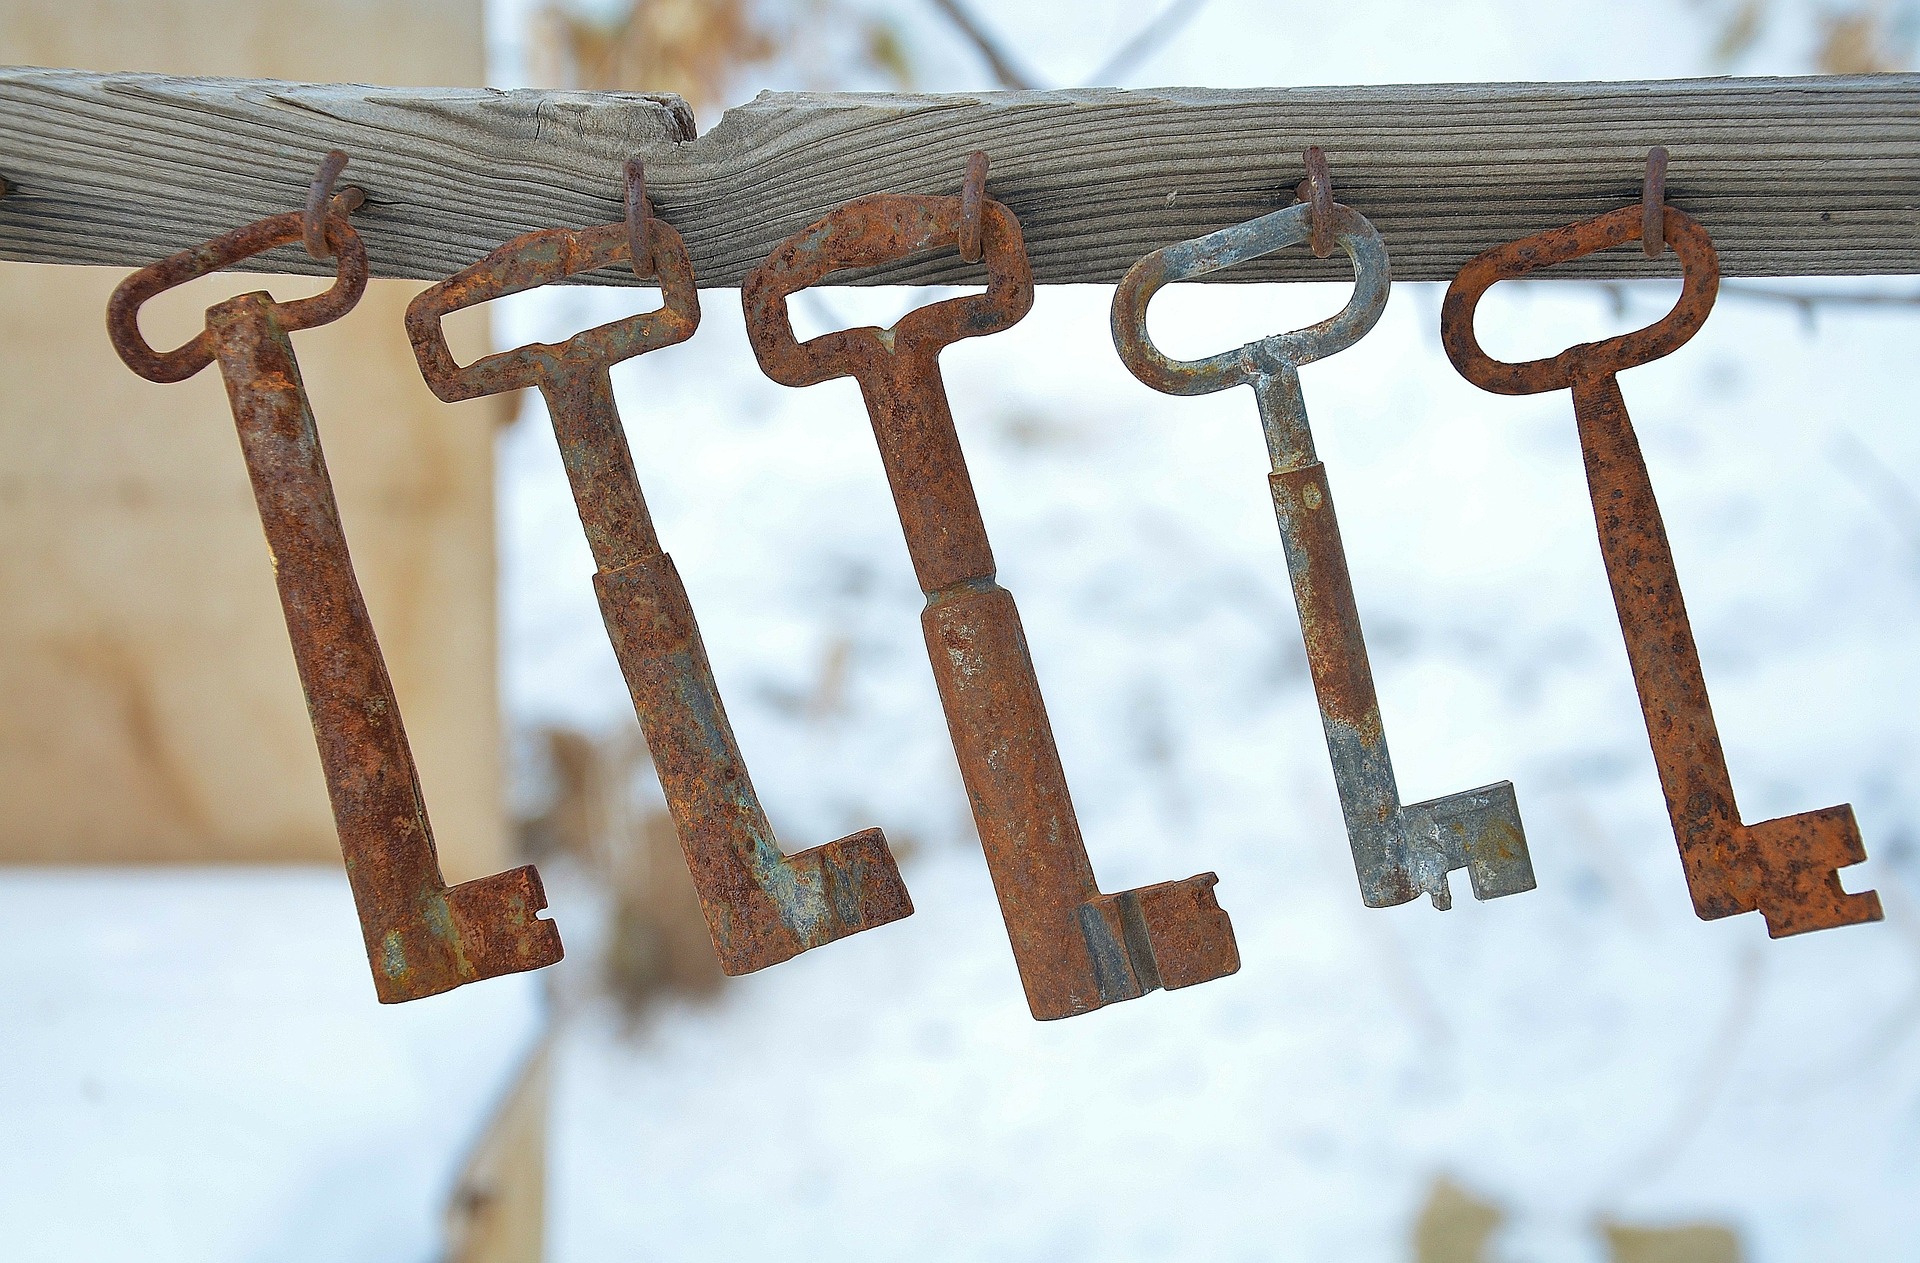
<point x="1784" y="868"/>
<point x="1076" y="948"/>
<point x="761" y="906"/>
<point x="422" y="937"/>
<point x="1399" y="850"/>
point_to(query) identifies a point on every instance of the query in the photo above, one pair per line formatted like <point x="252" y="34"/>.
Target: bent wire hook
<point x="761" y="906"/>
<point x="422" y="937"/>
<point x="1399" y="851"/>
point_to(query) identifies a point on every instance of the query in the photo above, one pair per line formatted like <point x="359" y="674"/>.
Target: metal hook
<point x="1317" y="188"/>
<point x="1653" y="204"/>
<point x="639" y="220"/>
<point x="972" y="193"/>
<point x="321" y="202"/>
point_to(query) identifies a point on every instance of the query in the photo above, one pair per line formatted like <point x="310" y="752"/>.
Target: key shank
<point x="762" y="906"/>
<point x="421" y="937"/>
<point x="1076" y="948"/>
<point x="1400" y="851"/>
<point x="1782" y="868"/>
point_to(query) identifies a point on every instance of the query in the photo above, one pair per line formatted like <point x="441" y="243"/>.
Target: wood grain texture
<point x="1809" y="176"/>
<point x="123" y="169"/>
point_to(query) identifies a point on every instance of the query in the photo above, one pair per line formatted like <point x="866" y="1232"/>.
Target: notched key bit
<point x="1399" y="851"/>
<point x="1076" y="948"/>
<point x="422" y="937"/>
<point x="1784" y="869"/>
<point x="761" y="906"/>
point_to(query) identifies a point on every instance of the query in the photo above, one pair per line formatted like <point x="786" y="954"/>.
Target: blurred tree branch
<point x="1878" y="481"/>
<point x="1009" y="73"/>
<point x="1149" y="40"/>
<point x="1808" y="304"/>
<point x="1005" y="71"/>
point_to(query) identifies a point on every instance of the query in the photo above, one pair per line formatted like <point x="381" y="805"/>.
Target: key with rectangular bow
<point x="422" y="937"/>
<point x="1076" y="948"/>
<point x="1783" y="868"/>
<point x="1400" y="851"/>
<point x="761" y="906"/>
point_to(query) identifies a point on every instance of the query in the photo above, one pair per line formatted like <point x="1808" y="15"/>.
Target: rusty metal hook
<point x="1317" y="189"/>
<point x="639" y="221"/>
<point x="321" y="202"/>
<point x="1653" y="203"/>
<point x="973" y="193"/>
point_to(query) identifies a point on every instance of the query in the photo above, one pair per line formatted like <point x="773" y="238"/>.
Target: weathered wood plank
<point x="1806" y="176"/>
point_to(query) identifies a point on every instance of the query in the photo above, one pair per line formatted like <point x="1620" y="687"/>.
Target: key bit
<point x="1076" y="948"/>
<point x="1399" y="851"/>
<point x="761" y="906"/>
<point x="1785" y="868"/>
<point x="422" y="937"/>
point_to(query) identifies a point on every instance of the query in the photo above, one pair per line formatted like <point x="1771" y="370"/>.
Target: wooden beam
<point x="1811" y="176"/>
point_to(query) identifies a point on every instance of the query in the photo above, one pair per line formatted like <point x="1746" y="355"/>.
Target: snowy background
<point x="193" y="1070"/>
<point x="1588" y="1051"/>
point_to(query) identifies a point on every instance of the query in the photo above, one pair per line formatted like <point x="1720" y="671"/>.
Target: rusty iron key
<point x="761" y="906"/>
<point x="1076" y="948"/>
<point x="422" y="937"/>
<point x="1400" y="851"/>
<point x="1784" y="868"/>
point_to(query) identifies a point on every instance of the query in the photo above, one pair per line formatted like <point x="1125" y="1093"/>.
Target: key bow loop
<point x="123" y="309"/>
<point x="543" y="258"/>
<point x="865" y="233"/>
<point x="1267" y="356"/>
<point x="1700" y="282"/>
